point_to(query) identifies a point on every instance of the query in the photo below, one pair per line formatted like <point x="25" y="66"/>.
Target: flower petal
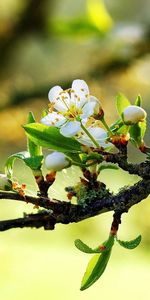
<point x="53" y="119"/>
<point x="70" y="128"/>
<point x="59" y="98"/>
<point x="98" y="105"/>
<point x="89" y="109"/>
<point x="99" y="135"/>
<point x="54" y="93"/>
<point x="80" y="92"/>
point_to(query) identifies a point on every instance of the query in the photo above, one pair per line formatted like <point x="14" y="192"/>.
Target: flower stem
<point x="106" y="126"/>
<point x="90" y="136"/>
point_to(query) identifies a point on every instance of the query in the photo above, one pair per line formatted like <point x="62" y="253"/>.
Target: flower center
<point x="72" y="113"/>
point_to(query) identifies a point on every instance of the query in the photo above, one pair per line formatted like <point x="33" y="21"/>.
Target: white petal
<point x="88" y="109"/>
<point x="78" y="101"/>
<point x="98" y="106"/>
<point x="70" y="128"/>
<point x="53" y="119"/>
<point x="54" y="93"/>
<point x="99" y="134"/>
<point x="81" y="92"/>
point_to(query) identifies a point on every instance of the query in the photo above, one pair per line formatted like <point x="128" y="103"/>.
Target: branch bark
<point x="64" y="212"/>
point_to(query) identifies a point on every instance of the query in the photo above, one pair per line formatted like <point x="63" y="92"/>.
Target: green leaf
<point x="95" y="269"/>
<point x="137" y="132"/>
<point x="50" y="137"/>
<point x="138" y="101"/>
<point x="98" y="263"/>
<point x="121" y="103"/>
<point x="11" y="159"/>
<point x="33" y="149"/>
<point x="34" y="162"/>
<point x="130" y="244"/>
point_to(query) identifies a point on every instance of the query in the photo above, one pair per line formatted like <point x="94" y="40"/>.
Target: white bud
<point x="56" y="161"/>
<point x="133" y="114"/>
<point x="5" y="183"/>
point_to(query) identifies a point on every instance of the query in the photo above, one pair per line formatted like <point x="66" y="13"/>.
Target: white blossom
<point x="69" y="107"/>
<point x="133" y="114"/>
<point x="56" y="161"/>
<point x="98" y="133"/>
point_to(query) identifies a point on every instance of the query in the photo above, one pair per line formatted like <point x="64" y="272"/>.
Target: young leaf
<point x="97" y="264"/>
<point x="95" y="269"/>
<point x="138" y="101"/>
<point x="121" y="103"/>
<point x="33" y="149"/>
<point x="137" y="132"/>
<point x="11" y="159"/>
<point x="50" y="137"/>
<point x="85" y="248"/>
<point x="130" y="244"/>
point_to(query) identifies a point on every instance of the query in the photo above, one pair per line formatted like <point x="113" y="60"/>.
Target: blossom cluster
<point x="80" y="115"/>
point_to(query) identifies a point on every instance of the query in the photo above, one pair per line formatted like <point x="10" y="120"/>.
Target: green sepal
<point x="116" y="125"/>
<point x="75" y="158"/>
<point x="119" y="127"/>
<point x="138" y="101"/>
<point x="50" y="137"/>
<point x="11" y="159"/>
<point x="130" y="244"/>
<point x="137" y="132"/>
<point x="33" y="149"/>
<point x="97" y="265"/>
<point x="107" y="166"/>
<point x="121" y="103"/>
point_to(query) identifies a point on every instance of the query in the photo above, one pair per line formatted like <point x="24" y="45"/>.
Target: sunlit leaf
<point x="99" y="15"/>
<point x="33" y="149"/>
<point x="11" y="159"/>
<point x="137" y="132"/>
<point x="97" y="264"/>
<point x="121" y="103"/>
<point x="95" y="269"/>
<point x="50" y="137"/>
<point x="130" y="244"/>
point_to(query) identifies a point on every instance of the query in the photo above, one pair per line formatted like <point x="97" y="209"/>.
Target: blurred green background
<point x="44" y="43"/>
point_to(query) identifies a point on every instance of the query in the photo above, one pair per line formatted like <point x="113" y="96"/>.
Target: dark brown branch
<point x="142" y="169"/>
<point x="65" y="212"/>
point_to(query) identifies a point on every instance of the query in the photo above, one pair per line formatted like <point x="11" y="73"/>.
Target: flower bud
<point x="56" y="161"/>
<point x="5" y="183"/>
<point x="133" y="114"/>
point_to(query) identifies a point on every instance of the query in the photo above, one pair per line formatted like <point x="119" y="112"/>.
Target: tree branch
<point x="65" y="212"/>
